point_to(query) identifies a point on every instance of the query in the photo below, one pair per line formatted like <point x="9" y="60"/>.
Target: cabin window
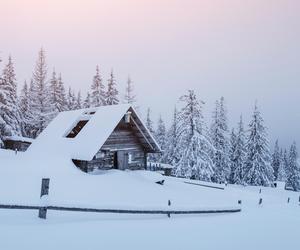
<point x="90" y="113"/>
<point x="75" y="130"/>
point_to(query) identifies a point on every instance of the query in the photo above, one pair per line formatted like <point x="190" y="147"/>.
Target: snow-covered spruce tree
<point x="129" y="97"/>
<point x="57" y="95"/>
<point x="97" y="90"/>
<point x="41" y="107"/>
<point x="25" y="111"/>
<point x="293" y="169"/>
<point x="10" y="113"/>
<point x="281" y="171"/>
<point x="258" y="162"/>
<point x="173" y="152"/>
<point x="149" y="125"/>
<point x="71" y="99"/>
<point x="149" y="122"/>
<point x="232" y="154"/>
<point x="276" y="159"/>
<point x="220" y="140"/>
<point x="195" y="161"/>
<point x="78" y="101"/>
<point x="112" y="92"/>
<point x="62" y="100"/>
<point x="239" y="155"/>
<point x="160" y="136"/>
<point x="88" y="101"/>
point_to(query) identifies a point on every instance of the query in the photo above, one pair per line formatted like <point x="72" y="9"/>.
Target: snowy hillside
<point x="272" y="225"/>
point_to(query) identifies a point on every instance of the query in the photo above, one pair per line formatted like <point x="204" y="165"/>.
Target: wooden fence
<point x="43" y="208"/>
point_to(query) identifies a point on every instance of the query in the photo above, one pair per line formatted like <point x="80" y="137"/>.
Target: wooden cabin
<point x="16" y="143"/>
<point x="108" y="137"/>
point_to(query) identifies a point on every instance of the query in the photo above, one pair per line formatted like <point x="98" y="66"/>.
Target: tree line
<point x="217" y="154"/>
<point x="196" y="150"/>
<point x="42" y="99"/>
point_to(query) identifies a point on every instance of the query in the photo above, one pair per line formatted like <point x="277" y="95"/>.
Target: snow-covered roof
<point x="101" y="123"/>
<point x="18" y="138"/>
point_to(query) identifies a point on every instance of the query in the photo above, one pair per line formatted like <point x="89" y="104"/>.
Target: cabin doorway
<point x="122" y="160"/>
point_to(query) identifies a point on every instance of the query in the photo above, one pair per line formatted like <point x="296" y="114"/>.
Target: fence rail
<point x="120" y="211"/>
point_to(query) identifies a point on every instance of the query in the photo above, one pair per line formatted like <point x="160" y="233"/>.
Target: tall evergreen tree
<point x="78" y="101"/>
<point x="173" y="152"/>
<point x="10" y="113"/>
<point x="98" y="94"/>
<point x="258" y="163"/>
<point x="41" y="102"/>
<point x="25" y="111"/>
<point x="281" y="172"/>
<point x="150" y="127"/>
<point x="62" y="100"/>
<point x="232" y="149"/>
<point x="293" y="168"/>
<point x="220" y="140"/>
<point x="195" y="161"/>
<point x="239" y="155"/>
<point x="71" y="100"/>
<point x="160" y="136"/>
<point x="276" y="161"/>
<point x="87" y="102"/>
<point x="112" y="92"/>
<point x="129" y="97"/>
<point x="149" y="122"/>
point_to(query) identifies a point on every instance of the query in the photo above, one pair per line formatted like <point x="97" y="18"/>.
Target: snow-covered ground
<point x="273" y="225"/>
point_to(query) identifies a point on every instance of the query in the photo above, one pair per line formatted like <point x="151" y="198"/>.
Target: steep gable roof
<point x="93" y="134"/>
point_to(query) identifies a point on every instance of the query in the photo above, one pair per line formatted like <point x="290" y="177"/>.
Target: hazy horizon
<point x="244" y="51"/>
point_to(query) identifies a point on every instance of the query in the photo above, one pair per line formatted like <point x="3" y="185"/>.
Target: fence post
<point x="169" y="204"/>
<point x="288" y="201"/>
<point x="260" y="190"/>
<point x="260" y="201"/>
<point x="44" y="192"/>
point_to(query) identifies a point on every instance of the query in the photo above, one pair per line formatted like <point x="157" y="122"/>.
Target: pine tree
<point x="232" y="149"/>
<point x="41" y="107"/>
<point x="149" y="125"/>
<point x="195" y="161"/>
<point x="220" y="140"/>
<point x="25" y="111"/>
<point x="258" y="163"/>
<point x="10" y="113"/>
<point x="97" y="90"/>
<point x="276" y="160"/>
<point x="281" y="172"/>
<point x="149" y="122"/>
<point x="173" y="152"/>
<point x="78" y="101"/>
<point x="53" y="95"/>
<point x="129" y="97"/>
<point x="71" y="100"/>
<point x="62" y="100"/>
<point x="293" y="168"/>
<point x="87" y="102"/>
<point x="239" y="155"/>
<point x="160" y="136"/>
<point x="112" y="92"/>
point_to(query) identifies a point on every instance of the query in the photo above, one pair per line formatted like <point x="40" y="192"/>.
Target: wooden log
<point x="203" y="185"/>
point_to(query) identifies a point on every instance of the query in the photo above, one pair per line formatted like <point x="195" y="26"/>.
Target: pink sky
<point x="244" y="50"/>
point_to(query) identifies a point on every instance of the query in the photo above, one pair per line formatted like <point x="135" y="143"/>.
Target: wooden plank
<point x="203" y="185"/>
